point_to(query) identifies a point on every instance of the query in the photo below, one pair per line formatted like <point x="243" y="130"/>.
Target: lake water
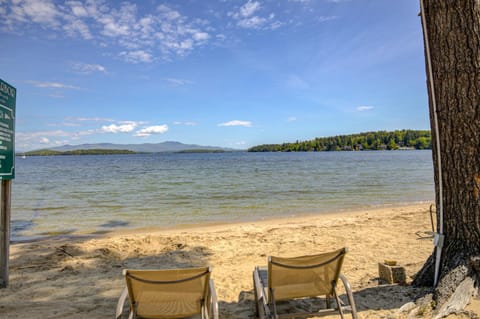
<point x="74" y="195"/>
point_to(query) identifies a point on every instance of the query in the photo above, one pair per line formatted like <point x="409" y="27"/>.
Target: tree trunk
<point x="454" y="39"/>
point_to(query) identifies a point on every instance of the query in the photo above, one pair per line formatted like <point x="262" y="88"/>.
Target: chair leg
<point x="328" y="301"/>
<point x="257" y="312"/>
<point x="339" y="303"/>
<point x="274" y="305"/>
<point x="121" y="302"/>
<point x="351" y="301"/>
<point x="213" y="302"/>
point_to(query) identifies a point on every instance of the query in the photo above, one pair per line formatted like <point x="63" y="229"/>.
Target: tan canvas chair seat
<point x="300" y="277"/>
<point x="167" y="305"/>
<point x="174" y="293"/>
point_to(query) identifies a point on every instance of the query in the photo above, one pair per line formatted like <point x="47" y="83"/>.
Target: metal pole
<point x="5" y="202"/>
<point x="439" y="236"/>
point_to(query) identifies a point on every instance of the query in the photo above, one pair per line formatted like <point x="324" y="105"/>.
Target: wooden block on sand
<point x="391" y="272"/>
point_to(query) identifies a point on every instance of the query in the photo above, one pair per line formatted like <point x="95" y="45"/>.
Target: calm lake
<point x="75" y="195"/>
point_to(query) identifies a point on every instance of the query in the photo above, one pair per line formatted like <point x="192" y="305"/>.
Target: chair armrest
<point x="121" y="302"/>
<point x="258" y="286"/>
<point x="261" y="299"/>
<point x="214" y="300"/>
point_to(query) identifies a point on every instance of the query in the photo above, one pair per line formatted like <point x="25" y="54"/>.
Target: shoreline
<point x="277" y="220"/>
<point x="96" y="234"/>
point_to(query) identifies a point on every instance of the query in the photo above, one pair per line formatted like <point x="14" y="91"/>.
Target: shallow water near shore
<point x="75" y="195"/>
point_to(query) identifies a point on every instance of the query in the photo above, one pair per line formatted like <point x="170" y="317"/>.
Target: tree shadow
<point x="243" y="308"/>
<point x="382" y="297"/>
<point x="387" y="297"/>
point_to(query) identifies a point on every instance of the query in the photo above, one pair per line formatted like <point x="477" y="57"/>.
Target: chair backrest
<point x="175" y="293"/>
<point x="305" y="276"/>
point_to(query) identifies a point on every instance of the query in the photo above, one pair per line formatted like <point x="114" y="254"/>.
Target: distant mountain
<point x="141" y="148"/>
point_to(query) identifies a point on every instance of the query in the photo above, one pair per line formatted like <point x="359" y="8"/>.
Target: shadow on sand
<point x="382" y="297"/>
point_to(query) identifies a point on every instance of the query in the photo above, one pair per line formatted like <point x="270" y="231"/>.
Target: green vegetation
<point x="381" y="140"/>
<point x="77" y="152"/>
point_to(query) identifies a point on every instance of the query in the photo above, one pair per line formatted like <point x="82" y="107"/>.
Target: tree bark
<point x="454" y="39"/>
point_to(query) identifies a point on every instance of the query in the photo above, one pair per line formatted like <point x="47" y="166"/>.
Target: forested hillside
<point x="381" y="140"/>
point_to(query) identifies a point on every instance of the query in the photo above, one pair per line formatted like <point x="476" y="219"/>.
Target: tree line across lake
<point x="381" y="140"/>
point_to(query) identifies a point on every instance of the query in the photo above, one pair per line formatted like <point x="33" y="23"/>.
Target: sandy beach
<point x="82" y="278"/>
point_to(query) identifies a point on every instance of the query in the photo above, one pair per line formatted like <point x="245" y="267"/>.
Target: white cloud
<point x="135" y="36"/>
<point x="122" y="128"/>
<point x="291" y="119"/>
<point x="136" y="56"/>
<point x="39" y="11"/>
<point x="41" y="139"/>
<point x="85" y="68"/>
<point x="249" y="8"/>
<point x="76" y="26"/>
<point x="113" y="29"/>
<point x="168" y="13"/>
<point x="77" y="8"/>
<point x="237" y="123"/>
<point x="147" y="131"/>
<point x="252" y="22"/>
<point x="53" y="85"/>
<point x="248" y="17"/>
<point x="119" y="22"/>
<point x="201" y="36"/>
<point x="365" y="108"/>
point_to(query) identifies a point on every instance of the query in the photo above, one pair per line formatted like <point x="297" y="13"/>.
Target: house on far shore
<point x="382" y="147"/>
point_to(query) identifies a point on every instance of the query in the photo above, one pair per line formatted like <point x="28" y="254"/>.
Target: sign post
<point x="8" y="97"/>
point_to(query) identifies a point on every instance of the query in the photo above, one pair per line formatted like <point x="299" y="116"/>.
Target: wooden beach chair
<point x="300" y="277"/>
<point x="175" y="293"/>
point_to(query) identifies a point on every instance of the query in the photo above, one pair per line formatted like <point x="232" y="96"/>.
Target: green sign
<point x="8" y="97"/>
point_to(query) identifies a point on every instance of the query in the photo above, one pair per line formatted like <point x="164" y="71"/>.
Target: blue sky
<point x="223" y="73"/>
